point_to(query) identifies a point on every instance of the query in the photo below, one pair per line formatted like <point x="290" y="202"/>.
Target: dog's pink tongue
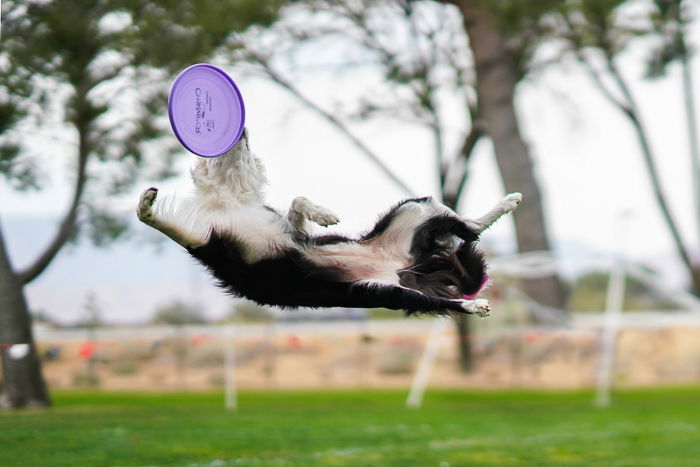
<point x="481" y="287"/>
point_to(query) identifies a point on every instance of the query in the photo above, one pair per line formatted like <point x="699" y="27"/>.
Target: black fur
<point x="446" y="266"/>
<point x="328" y="239"/>
<point x="385" y="220"/>
<point x="442" y="268"/>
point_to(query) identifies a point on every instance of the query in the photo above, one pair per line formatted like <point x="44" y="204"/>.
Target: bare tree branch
<point x="333" y="120"/>
<point x="648" y="156"/>
<point x="578" y="50"/>
<point x="475" y="134"/>
<point x="426" y="62"/>
<point x="67" y="225"/>
<point x="628" y="106"/>
<point x="598" y="82"/>
<point x="681" y="18"/>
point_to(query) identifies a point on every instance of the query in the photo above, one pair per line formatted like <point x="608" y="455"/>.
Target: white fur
<point x="229" y="198"/>
<point x="303" y="209"/>
<point x="478" y="307"/>
<point x="361" y="261"/>
<point x="506" y="205"/>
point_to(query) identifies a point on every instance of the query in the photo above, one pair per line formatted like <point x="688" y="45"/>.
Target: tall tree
<point x="101" y="68"/>
<point x="420" y="54"/>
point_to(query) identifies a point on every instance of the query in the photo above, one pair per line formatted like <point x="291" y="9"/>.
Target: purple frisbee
<point x="206" y="110"/>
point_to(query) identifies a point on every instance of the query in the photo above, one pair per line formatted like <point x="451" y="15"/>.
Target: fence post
<point x="231" y="401"/>
<point x="425" y="366"/>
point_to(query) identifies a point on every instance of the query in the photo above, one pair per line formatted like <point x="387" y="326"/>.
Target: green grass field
<point x="659" y="427"/>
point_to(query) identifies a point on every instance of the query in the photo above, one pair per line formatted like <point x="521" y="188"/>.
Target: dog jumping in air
<point x="420" y="257"/>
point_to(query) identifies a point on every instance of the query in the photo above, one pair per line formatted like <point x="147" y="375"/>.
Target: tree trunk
<point x="464" y="343"/>
<point x="24" y="385"/>
<point x="462" y="322"/>
<point x="496" y="79"/>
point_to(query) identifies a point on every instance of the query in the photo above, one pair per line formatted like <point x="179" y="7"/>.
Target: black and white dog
<point x="420" y="256"/>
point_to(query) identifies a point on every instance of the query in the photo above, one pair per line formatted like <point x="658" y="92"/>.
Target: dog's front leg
<point x="369" y="294"/>
<point x="302" y="210"/>
<point x="147" y="215"/>
<point x="508" y="204"/>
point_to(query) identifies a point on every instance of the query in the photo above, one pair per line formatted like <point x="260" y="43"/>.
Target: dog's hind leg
<point x="302" y="210"/>
<point x="147" y="215"/>
<point x="506" y="205"/>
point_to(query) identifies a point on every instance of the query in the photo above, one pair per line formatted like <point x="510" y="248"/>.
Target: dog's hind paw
<point x="479" y="307"/>
<point x="144" y="210"/>
<point x="512" y="201"/>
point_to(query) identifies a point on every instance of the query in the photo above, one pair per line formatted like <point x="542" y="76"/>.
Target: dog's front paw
<point x="479" y="307"/>
<point x="322" y="216"/>
<point x="144" y="211"/>
<point x="513" y="200"/>
<point x="314" y="212"/>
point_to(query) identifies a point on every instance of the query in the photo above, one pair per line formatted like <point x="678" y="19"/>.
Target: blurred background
<point x="587" y="107"/>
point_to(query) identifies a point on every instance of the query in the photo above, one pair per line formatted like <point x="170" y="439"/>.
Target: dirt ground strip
<point x="363" y="355"/>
